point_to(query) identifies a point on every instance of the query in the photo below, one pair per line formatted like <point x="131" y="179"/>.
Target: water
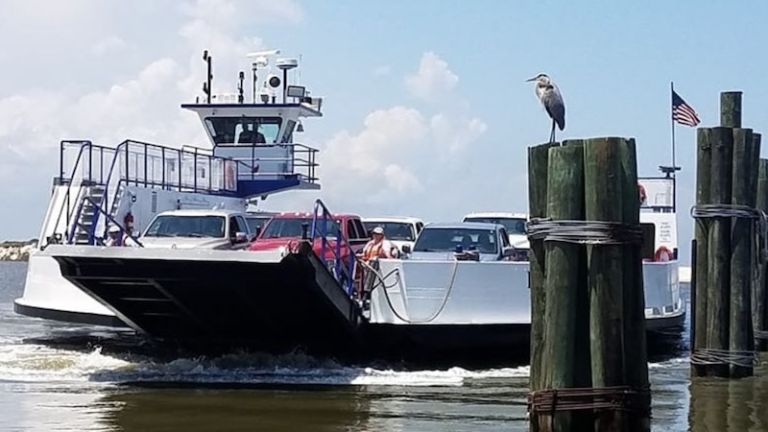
<point x="66" y="377"/>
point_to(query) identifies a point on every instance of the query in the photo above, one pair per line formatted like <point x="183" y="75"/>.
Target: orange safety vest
<point x="374" y="250"/>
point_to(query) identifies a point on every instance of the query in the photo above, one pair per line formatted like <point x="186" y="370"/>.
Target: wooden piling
<point x="537" y="202"/>
<point x="565" y="189"/>
<point x="635" y="344"/>
<point x="760" y="293"/>
<point x="730" y="109"/>
<point x="719" y="253"/>
<point x="703" y="180"/>
<point x="602" y="179"/>
<point x="740" y="335"/>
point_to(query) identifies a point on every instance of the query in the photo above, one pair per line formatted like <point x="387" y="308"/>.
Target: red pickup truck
<point x="286" y="229"/>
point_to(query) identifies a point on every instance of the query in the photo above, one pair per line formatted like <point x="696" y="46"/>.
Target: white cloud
<point x="397" y="160"/>
<point x="376" y="159"/>
<point x="145" y="107"/>
<point x="109" y="45"/>
<point x="401" y="180"/>
<point x="456" y="134"/>
<point x="402" y="158"/>
<point x="433" y="78"/>
<point x="142" y="105"/>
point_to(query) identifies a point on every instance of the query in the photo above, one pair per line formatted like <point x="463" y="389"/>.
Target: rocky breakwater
<point x="16" y="250"/>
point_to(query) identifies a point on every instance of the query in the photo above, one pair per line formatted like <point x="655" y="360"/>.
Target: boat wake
<point x="40" y="363"/>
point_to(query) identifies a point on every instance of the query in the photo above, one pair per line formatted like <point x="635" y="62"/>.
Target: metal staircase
<point x="87" y="219"/>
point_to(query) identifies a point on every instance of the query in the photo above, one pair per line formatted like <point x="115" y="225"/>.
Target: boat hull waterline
<point x="276" y="303"/>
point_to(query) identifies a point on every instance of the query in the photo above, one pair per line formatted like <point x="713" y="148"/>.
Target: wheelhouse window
<point x="187" y="226"/>
<point x="244" y="130"/>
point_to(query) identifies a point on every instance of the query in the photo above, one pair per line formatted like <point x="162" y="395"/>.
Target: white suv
<point x="192" y="229"/>
<point x="401" y="231"/>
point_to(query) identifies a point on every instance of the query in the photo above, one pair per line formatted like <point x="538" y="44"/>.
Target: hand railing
<point x="189" y="169"/>
<point x="68" y="194"/>
<point x="135" y="168"/>
<point x="299" y="161"/>
<point x="110" y="219"/>
<point x="344" y="272"/>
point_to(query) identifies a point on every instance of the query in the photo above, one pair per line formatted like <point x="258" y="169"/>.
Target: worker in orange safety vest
<point x="378" y="246"/>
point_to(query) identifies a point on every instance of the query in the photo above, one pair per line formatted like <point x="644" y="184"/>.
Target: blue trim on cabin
<point x="246" y="188"/>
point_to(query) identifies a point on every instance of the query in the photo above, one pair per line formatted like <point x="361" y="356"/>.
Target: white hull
<point x="425" y="293"/>
<point x="48" y="295"/>
<point x="465" y="292"/>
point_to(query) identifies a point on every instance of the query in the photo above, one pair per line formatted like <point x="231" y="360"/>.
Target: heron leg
<point x="552" y="133"/>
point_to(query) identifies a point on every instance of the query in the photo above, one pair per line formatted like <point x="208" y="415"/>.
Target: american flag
<point x="682" y="112"/>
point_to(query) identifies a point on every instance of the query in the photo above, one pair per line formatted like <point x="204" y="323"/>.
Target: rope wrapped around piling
<point x="705" y="211"/>
<point x="584" y="232"/>
<point x="618" y="398"/>
<point x="761" y="334"/>
<point x="711" y="356"/>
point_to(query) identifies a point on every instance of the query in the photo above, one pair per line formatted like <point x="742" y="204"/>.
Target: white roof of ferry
<point x="384" y="219"/>
<point x="497" y="215"/>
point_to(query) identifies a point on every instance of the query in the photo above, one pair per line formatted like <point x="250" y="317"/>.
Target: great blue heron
<point x="549" y="96"/>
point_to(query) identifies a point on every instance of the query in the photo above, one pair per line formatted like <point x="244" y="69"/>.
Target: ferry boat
<point x="286" y="297"/>
<point x="253" y="154"/>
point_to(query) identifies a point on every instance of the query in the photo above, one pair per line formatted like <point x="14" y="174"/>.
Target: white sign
<point x="656" y="192"/>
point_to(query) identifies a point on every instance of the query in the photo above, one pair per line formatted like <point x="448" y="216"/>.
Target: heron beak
<point x="531" y="79"/>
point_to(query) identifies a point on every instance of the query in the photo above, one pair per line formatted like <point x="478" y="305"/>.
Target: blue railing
<point x="272" y="160"/>
<point x="343" y="267"/>
<point x="189" y="169"/>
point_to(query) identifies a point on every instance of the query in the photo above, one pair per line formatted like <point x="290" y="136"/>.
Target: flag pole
<point x="672" y="119"/>
<point x="674" y="165"/>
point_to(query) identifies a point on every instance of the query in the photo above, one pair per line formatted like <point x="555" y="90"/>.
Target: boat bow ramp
<point x="218" y="296"/>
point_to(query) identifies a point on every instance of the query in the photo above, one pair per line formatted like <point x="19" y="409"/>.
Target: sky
<point x="427" y="112"/>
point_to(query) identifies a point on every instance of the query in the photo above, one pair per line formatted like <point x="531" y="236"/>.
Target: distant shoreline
<point x="16" y="250"/>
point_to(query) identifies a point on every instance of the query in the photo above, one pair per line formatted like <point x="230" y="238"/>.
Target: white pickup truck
<point x="401" y="231"/>
<point x="198" y="229"/>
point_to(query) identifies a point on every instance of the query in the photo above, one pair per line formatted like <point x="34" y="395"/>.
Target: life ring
<point x="642" y="193"/>
<point x="663" y="254"/>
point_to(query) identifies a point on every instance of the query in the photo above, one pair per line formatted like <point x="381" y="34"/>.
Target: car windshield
<point x="393" y="230"/>
<point x="256" y="222"/>
<point x="186" y="226"/>
<point x="448" y="239"/>
<point x="292" y="227"/>
<point x="512" y="225"/>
